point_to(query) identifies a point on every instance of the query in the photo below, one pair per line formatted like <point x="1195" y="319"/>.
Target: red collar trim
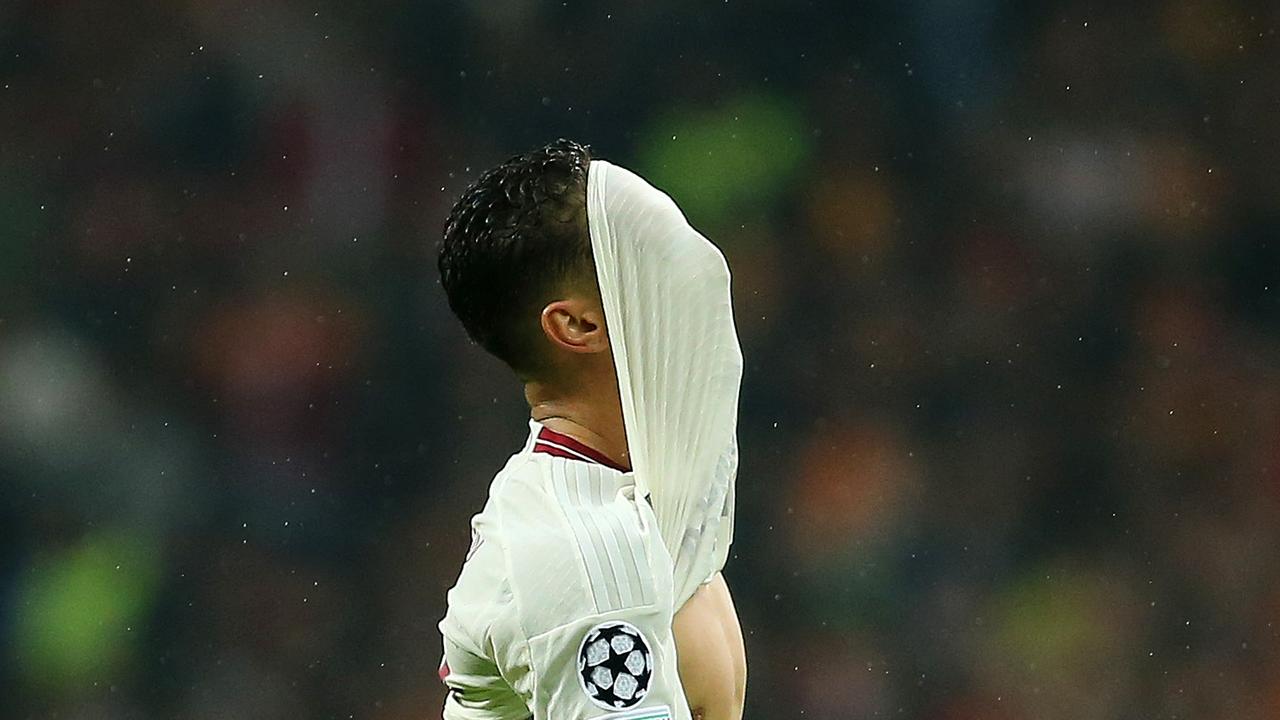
<point x="550" y="442"/>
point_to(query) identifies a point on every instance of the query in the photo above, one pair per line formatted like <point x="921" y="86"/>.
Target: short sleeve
<point x="476" y="688"/>
<point x="617" y="665"/>
<point x="482" y="654"/>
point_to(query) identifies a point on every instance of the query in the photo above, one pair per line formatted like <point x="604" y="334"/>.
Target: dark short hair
<point x="517" y="235"/>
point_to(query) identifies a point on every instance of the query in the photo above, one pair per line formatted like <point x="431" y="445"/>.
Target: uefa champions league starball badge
<point x="615" y="665"/>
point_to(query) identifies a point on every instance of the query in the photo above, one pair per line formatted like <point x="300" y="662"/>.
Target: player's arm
<point x="617" y="664"/>
<point x="713" y="663"/>
<point x="477" y="690"/>
<point x="479" y="607"/>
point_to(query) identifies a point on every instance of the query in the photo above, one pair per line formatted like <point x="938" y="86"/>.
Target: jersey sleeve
<point x="482" y="654"/>
<point x="477" y="690"/>
<point x="619" y="665"/>
<point x="579" y="627"/>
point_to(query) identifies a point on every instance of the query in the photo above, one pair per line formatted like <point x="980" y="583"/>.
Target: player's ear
<point x="576" y="325"/>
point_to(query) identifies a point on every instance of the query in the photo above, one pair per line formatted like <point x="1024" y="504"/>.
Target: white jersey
<point x="564" y="605"/>
<point x="666" y="295"/>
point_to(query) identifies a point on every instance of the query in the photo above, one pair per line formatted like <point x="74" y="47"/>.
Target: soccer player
<point x="592" y="588"/>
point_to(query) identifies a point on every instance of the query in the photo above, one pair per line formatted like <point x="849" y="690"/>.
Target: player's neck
<point x="594" y="422"/>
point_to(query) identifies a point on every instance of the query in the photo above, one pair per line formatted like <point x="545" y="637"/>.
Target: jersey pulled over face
<point x="564" y="606"/>
<point x="665" y="290"/>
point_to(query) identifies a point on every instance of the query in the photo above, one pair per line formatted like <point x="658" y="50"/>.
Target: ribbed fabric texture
<point x="667" y="301"/>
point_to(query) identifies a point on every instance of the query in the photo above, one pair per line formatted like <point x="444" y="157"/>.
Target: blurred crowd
<point x="1005" y="274"/>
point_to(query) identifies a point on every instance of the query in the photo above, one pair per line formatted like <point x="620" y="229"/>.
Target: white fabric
<point x="561" y="546"/>
<point x="666" y="298"/>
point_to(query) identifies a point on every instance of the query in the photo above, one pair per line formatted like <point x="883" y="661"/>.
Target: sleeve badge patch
<point x="615" y="666"/>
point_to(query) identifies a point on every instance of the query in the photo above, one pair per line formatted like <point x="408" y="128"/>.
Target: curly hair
<point x="517" y="235"/>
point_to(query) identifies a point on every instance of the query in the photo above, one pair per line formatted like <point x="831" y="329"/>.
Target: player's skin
<point x="578" y="396"/>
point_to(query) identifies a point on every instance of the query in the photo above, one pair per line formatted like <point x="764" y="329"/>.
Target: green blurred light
<point x="1047" y="623"/>
<point x="718" y="162"/>
<point x="78" y="612"/>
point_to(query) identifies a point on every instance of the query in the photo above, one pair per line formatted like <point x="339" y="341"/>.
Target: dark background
<point x="1006" y="278"/>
